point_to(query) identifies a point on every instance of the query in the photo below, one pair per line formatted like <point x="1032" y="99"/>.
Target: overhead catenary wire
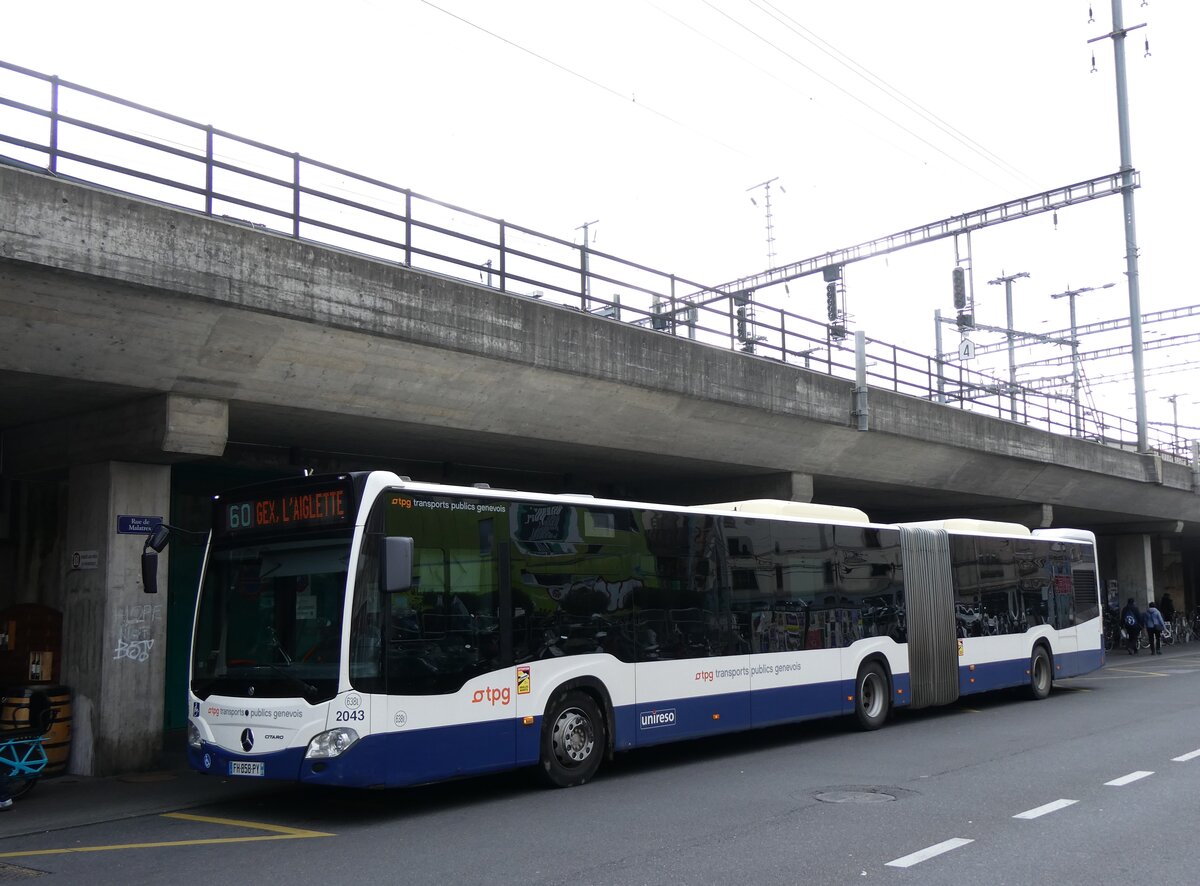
<point x="859" y="100"/>
<point x="878" y="82"/>
<point x="705" y="134"/>
<point x="766" y="72"/>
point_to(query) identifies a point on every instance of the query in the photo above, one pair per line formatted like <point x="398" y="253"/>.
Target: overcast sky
<point x="655" y="117"/>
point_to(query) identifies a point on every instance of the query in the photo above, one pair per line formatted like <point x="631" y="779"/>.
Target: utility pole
<point x="1127" y="185"/>
<point x="1075" y="368"/>
<point x="585" y="283"/>
<point x="937" y="337"/>
<point x="1173" y="400"/>
<point x="1012" y="358"/>
<point x="766" y="186"/>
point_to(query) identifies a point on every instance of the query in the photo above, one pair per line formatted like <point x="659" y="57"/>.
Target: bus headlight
<point x="331" y="743"/>
<point x="193" y="735"/>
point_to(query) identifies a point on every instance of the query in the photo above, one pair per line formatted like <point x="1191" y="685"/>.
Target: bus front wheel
<point x="573" y="740"/>
<point x="872" y="698"/>
<point x="1040" y="676"/>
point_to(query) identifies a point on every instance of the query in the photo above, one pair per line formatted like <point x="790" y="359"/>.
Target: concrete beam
<point x="786" y="486"/>
<point x="158" y="430"/>
<point x="1032" y="516"/>
<point x="1159" y="527"/>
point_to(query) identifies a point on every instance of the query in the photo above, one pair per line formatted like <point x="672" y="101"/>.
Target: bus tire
<point x="872" y="697"/>
<point x="1041" y="675"/>
<point x="573" y="740"/>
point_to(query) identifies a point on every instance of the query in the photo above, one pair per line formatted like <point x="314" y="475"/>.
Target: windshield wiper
<point x="274" y="637"/>
<point x="308" y="688"/>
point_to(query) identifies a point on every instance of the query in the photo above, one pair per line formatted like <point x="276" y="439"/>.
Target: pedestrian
<point x="1167" y="607"/>
<point x="1154" y="628"/>
<point x="1131" y="624"/>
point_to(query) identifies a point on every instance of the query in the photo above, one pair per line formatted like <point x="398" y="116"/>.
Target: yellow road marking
<point x="278" y="832"/>
<point x="255" y="825"/>
<point x="1138" y="673"/>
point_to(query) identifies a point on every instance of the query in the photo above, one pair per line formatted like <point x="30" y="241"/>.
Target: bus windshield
<point x="269" y="622"/>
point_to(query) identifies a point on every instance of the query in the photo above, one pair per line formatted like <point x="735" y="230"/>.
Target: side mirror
<point x="159" y="537"/>
<point x="155" y="542"/>
<point x="149" y="570"/>
<point x="397" y="564"/>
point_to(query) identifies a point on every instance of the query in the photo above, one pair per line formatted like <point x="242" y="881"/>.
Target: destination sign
<point x="282" y="510"/>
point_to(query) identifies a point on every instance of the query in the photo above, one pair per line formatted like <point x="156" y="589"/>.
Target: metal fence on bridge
<point x="52" y="126"/>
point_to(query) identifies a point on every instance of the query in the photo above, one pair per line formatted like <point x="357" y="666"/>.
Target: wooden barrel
<point x="14" y="714"/>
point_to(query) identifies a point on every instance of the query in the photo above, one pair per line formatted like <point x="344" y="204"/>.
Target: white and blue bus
<point x="367" y="630"/>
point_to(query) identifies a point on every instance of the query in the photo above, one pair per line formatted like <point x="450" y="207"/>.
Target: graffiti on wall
<point x="135" y="630"/>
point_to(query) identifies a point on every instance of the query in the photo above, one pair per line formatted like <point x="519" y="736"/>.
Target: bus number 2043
<point x="347" y="716"/>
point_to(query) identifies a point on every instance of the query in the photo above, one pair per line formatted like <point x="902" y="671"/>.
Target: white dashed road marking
<point x="1126" y="779"/>
<point x="1047" y="809"/>
<point x="925" y="854"/>
<point x="1186" y="757"/>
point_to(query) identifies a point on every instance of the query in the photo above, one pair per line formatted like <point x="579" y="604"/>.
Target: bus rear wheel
<point x="872" y="698"/>
<point x="573" y="740"/>
<point x="1040" y="676"/>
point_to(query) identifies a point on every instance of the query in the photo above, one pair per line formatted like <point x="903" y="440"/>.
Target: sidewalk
<point x="74" y="800"/>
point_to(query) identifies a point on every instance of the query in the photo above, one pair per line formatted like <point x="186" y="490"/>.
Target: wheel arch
<point x="1044" y="642"/>
<point x="882" y="660"/>
<point x="598" y="692"/>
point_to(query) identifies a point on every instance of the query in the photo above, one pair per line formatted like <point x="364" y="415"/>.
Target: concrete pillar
<point x="114" y="635"/>
<point x="1135" y="568"/>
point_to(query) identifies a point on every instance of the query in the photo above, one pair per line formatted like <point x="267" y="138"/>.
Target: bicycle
<point x="22" y="755"/>
<point x="1181" y="630"/>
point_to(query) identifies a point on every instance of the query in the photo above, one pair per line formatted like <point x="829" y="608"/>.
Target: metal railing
<point x="52" y="126"/>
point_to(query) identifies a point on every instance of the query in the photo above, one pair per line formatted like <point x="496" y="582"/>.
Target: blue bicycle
<point x="22" y="755"/>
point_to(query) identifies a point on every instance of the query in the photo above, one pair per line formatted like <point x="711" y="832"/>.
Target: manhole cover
<point x="854" y="797"/>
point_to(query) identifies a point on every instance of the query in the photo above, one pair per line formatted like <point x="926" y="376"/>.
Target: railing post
<point x="583" y="272"/>
<point x="503" y="256"/>
<point x="53" y="124"/>
<point x="208" y="170"/>
<point x="296" y="194"/>
<point x="408" y="228"/>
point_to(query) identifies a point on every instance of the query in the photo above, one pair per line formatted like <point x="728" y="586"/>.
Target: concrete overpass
<point x="141" y="342"/>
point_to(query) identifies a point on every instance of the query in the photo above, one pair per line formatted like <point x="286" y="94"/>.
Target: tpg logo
<point x="654" y="719"/>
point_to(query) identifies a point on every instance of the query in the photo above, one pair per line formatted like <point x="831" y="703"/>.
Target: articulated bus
<point x="367" y="630"/>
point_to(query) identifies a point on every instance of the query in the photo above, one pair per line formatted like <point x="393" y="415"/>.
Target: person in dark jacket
<point x="1154" y="628"/>
<point x="1131" y="621"/>
<point x="1167" y="607"/>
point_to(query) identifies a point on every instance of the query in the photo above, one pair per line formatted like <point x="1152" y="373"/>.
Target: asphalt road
<point x="994" y="790"/>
